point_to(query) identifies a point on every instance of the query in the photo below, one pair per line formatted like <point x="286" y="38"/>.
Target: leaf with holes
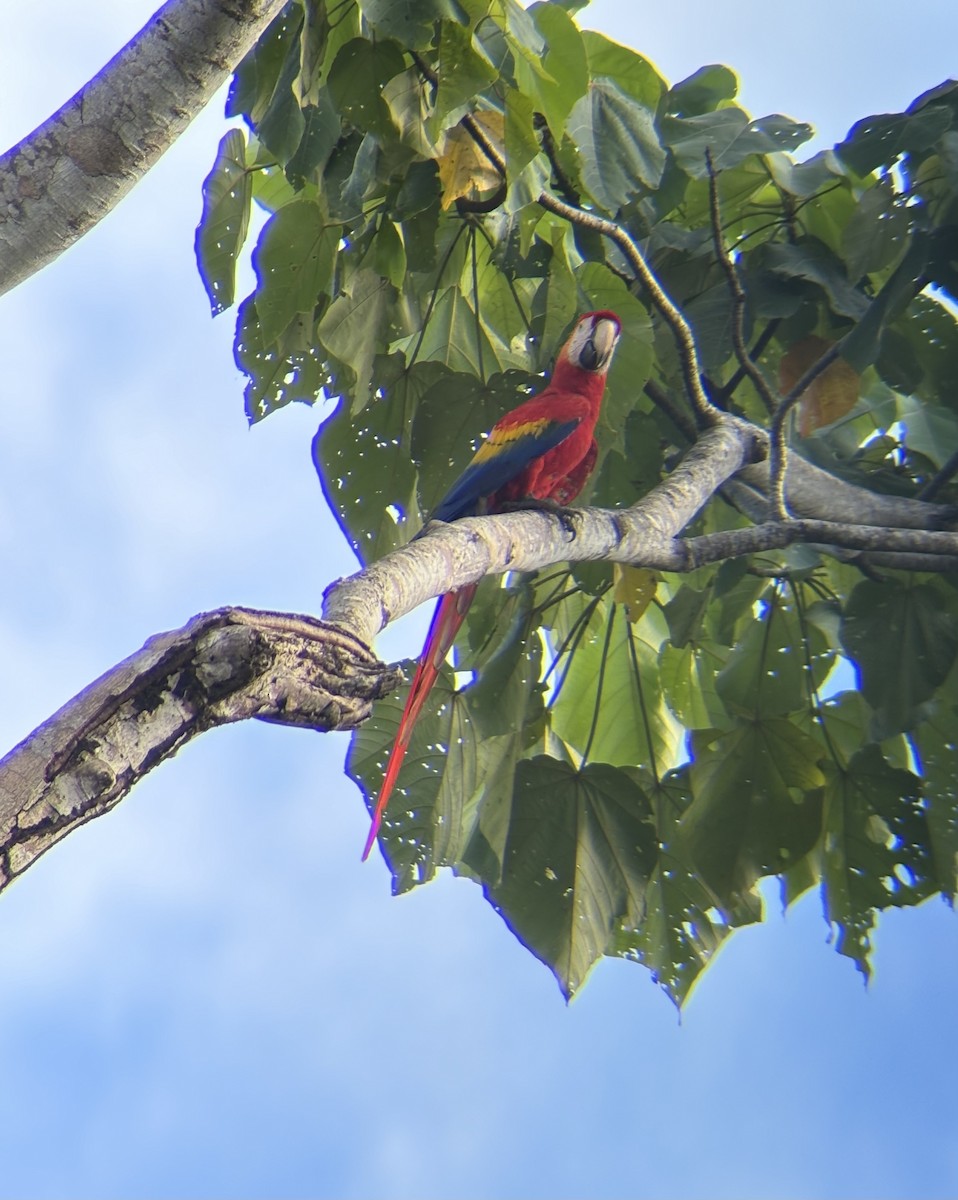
<point x="580" y="849"/>
<point x="221" y="233"/>
<point x="756" y="807"/>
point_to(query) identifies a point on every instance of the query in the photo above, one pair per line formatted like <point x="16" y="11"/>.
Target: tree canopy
<point x="742" y="667"/>
<point x="622" y="753"/>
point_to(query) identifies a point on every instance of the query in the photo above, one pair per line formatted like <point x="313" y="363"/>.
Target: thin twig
<point x="706" y="412"/>
<point x="548" y="143"/>
<point x="728" y="390"/>
<point x="778" y="442"/>
<point x="934" y="486"/>
<point x="737" y="292"/>
<point x="662" y="401"/>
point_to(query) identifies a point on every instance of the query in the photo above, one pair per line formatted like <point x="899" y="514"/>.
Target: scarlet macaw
<point x="544" y="450"/>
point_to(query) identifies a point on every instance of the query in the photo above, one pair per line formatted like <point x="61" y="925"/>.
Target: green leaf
<point x="938" y="763"/>
<point x="566" y="68"/>
<point x="353" y="329"/>
<point x="904" y="641"/>
<point x="879" y="141"/>
<point x="463" y="74"/>
<point x="633" y="74"/>
<point x="221" y="234"/>
<point x="620" y="149"/>
<point x="931" y="431"/>
<point x="702" y="92"/>
<point x="410" y="22"/>
<point x="877" y="233"/>
<point x="364" y="463"/>
<point x="321" y="132"/>
<point x="730" y="137"/>
<point x="611" y="701"/>
<point x="356" y="80"/>
<point x="688" y="676"/>
<point x="452" y="337"/>
<point x="581" y="846"/>
<point x="875" y="850"/>
<point x="278" y="371"/>
<point x="811" y="260"/>
<point x="256" y="85"/>
<point x="294" y="264"/>
<point x="757" y="806"/>
<point x="680" y="929"/>
<point x="775" y="667"/>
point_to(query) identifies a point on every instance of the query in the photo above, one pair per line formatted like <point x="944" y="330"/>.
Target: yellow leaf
<point x="634" y="587"/>
<point x="831" y="395"/>
<point x="463" y="168"/>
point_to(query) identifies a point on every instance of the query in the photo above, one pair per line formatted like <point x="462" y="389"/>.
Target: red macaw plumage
<point x="542" y="450"/>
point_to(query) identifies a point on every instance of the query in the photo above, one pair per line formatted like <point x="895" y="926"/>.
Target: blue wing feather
<point x="495" y="464"/>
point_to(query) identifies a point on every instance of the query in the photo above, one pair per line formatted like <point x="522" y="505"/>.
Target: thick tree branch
<point x="71" y="171"/>
<point x="234" y="664"/>
<point x="221" y="667"/>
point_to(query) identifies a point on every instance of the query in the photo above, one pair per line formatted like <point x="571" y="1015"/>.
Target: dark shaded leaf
<point x="294" y="264"/>
<point x="756" y="806"/>
<point x="730" y="137"/>
<point x="280" y="371"/>
<point x="221" y="233"/>
<point x="876" y="849"/>
<point x="904" y="642"/>
<point x="321" y="132"/>
<point x="364" y="463"/>
<point x="410" y="22"/>
<point x="879" y="141"/>
<point x="580" y="848"/>
<point x="356" y="80"/>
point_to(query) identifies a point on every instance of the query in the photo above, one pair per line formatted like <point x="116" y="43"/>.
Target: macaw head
<point x="592" y="342"/>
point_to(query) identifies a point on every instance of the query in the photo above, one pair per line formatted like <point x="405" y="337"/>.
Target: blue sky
<point x="206" y="994"/>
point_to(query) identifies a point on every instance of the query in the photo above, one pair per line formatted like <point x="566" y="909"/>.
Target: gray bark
<point x="234" y="664"/>
<point x="71" y="171"/>
<point x="224" y="666"/>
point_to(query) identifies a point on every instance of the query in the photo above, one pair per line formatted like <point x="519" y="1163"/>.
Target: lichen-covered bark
<point x="71" y="171"/>
<point x="221" y="667"/>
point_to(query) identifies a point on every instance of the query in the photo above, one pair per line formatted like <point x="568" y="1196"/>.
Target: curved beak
<point x="598" y="349"/>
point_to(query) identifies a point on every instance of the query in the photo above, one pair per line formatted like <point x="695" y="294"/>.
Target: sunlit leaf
<point x="464" y="170"/>
<point x="635" y="588"/>
<point x="611" y="702"/>
<point x="620" y="149"/>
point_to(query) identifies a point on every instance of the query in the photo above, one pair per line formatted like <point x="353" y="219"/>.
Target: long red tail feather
<point x="446" y="622"/>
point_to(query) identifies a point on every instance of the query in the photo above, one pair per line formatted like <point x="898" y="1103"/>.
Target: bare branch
<point x="934" y="551"/>
<point x="746" y="364"/>
<point x="221" y="667"/>
<point x="706" y="412"/>
<point x="60" y="181"/>
<point x="944" y="476"/>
